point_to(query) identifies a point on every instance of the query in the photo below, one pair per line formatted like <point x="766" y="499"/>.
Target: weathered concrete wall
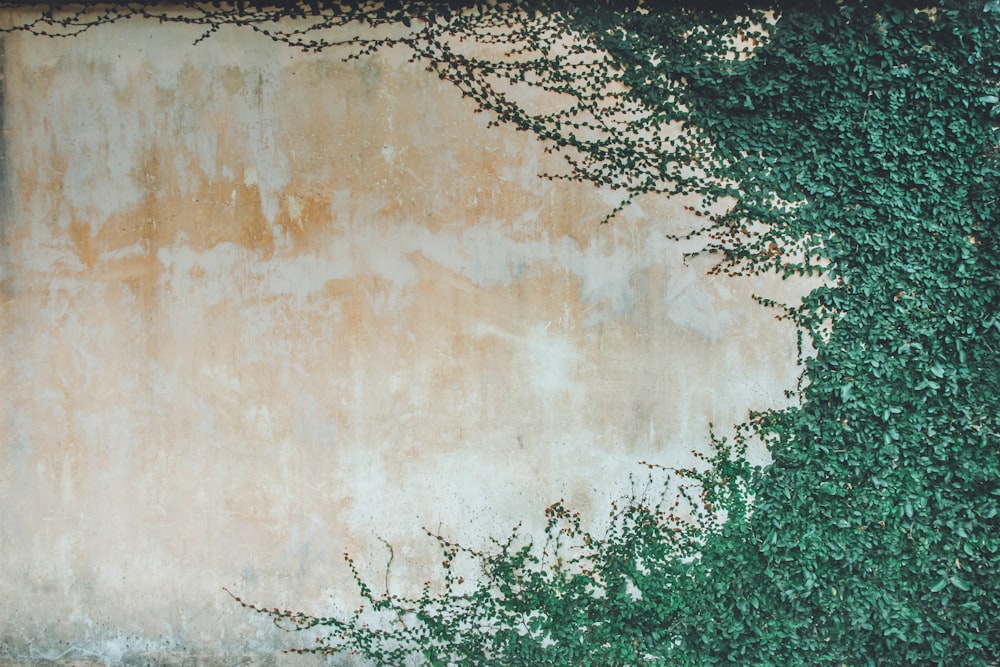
<point x="259" y="308"/>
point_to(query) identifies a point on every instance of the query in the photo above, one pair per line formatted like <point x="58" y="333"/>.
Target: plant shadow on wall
<point x="857" y="140"/>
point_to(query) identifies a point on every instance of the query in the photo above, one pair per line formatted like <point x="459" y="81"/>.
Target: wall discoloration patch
<point x="275" y="306"/>
<point x="6" y="191"/>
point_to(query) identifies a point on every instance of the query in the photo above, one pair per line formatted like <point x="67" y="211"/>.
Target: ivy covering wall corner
<point x="853" y="139"/>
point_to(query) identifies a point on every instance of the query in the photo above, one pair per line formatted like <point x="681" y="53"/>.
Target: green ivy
<point x="856" y="140"/>
<point x="578" y="598"/>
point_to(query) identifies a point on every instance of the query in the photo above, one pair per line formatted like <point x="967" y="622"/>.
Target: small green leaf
<point x="845" y="391"/>
<point x="960" y="583"/>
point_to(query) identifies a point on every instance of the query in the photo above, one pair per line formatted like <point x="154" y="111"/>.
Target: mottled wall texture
<point x="259" y="308"/>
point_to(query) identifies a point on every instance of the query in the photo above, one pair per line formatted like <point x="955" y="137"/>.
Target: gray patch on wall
<point x="4" y="187"/>
<point x="6" y="192"/>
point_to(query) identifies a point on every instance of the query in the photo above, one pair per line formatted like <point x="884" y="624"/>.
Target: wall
<point x="260" y="308"/>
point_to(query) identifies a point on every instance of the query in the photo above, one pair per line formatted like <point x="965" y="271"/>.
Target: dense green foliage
<point x="874" y="538"/>
<point x="856" y="139"/>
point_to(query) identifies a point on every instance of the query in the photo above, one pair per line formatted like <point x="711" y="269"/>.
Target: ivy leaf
<point x="845" y="391"/>
<point x="960" y="583"/>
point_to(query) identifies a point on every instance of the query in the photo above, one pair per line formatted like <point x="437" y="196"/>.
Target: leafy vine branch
<point x="859" y="139"/>
<point x="600" y="117"/>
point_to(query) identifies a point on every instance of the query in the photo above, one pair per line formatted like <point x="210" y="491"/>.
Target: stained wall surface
<point x="259" y="308"/>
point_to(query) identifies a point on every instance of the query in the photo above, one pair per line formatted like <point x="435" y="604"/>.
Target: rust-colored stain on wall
<point x="261" y="307"/>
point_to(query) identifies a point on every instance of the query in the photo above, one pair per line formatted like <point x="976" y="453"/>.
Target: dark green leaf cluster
<point x="853" y="139"/>
<point x="874" y="538"/>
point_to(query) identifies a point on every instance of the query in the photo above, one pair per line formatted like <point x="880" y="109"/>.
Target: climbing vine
<point x="853" y="139"/>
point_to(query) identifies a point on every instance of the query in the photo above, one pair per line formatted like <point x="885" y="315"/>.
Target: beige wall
<point x="259" y="308"/>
